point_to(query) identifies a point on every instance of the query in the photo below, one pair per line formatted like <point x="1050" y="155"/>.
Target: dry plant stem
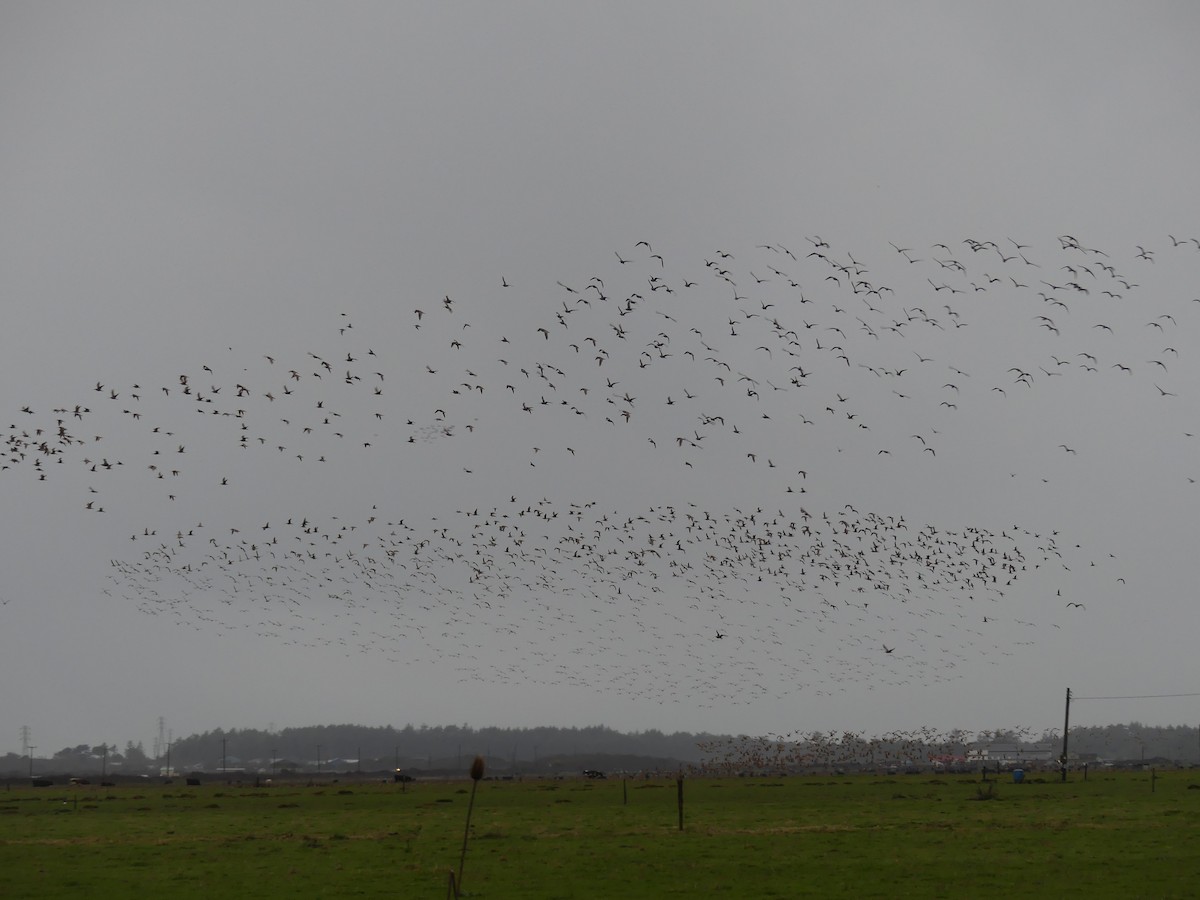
<point x="476" y="775"/>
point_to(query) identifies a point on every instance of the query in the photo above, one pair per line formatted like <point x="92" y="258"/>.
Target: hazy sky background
<point x="187" y="190"/>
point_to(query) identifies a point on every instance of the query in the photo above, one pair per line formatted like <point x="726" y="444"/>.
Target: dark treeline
<point x="430" y="746"/>
<point x="376" y="748"/>
<point x="1136" y="741"/>
<point x="424" y="748"/>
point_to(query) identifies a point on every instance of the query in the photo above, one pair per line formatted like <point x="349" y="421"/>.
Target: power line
<point x="1139" y="697"/>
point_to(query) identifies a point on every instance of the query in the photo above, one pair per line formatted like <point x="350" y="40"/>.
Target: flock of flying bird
<point x="593" y="482"/>
<point x="814" y="750"/>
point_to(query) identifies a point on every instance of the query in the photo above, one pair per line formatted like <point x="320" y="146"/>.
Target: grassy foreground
<point x="813" y="836"/>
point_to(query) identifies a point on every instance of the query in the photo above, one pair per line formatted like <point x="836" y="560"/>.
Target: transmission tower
<point x="25" y="736"/>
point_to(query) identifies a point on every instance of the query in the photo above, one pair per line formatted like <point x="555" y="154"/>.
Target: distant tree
<point x="135" y="756"/>
<point x="13" y="762"/>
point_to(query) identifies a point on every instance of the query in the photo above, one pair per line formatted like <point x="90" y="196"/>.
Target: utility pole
<point x="1066" y="728"/>
<point x="31" y="749"/>
<point x="223" y="755"/>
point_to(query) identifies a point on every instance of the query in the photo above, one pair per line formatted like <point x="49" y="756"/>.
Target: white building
<point x="1011" y="754"/>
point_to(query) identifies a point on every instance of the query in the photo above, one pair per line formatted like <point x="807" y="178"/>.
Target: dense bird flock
<point x="704" y="480"/>
<point x="797" y="751"/>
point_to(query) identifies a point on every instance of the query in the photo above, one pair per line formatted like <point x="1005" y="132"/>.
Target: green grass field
<point x="812" y="836"/>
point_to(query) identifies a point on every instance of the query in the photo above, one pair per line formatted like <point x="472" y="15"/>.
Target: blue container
<point x="1018" y="776"/>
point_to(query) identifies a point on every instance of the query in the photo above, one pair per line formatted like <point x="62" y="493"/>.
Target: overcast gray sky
<point x="862" y="335"/>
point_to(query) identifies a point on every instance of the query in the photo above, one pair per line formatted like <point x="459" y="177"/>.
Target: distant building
<point x="1011" y="754"/>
